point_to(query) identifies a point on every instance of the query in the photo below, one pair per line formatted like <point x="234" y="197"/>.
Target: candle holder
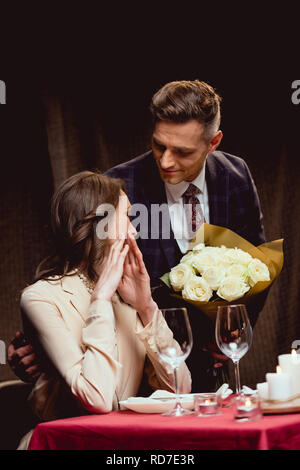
<point x="246" y="408"/>
<point x="207" y="404"/>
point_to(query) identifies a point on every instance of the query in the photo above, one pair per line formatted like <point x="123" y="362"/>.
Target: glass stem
<point x="177" y="401"/>
<point x="237" y="377"/>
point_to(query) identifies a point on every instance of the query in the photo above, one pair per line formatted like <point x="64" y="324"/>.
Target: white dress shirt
<point x="174" y="194"/>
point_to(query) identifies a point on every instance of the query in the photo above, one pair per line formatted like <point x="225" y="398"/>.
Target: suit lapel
<point x="217" y="179"/>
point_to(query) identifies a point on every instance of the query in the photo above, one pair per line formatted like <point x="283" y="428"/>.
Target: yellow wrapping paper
<point x="270" y="253"/>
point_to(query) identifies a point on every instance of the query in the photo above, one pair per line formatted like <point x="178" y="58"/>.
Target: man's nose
<point x="167" y="160"/>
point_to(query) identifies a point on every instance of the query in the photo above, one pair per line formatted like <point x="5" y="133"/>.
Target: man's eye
<point x="159" y="147"/>
<point x="183" y="154"/>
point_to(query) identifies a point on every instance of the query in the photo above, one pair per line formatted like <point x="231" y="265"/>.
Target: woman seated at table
<point x="90" y="311"/>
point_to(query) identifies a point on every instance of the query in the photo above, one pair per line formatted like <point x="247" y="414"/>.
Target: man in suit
<point x="186" y="134"/>
<point x="184" y="169"/>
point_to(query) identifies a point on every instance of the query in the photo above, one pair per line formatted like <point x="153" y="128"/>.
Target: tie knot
<point x="191" y="191"/>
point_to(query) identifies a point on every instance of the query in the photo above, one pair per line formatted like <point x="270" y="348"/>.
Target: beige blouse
<point x="98" y="350"/>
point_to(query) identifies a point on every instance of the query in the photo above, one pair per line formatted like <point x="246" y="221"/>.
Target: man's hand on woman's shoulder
<point x="22" y="359"/>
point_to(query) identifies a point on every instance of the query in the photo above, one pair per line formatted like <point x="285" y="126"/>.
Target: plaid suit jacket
<point x="233" y="203"/>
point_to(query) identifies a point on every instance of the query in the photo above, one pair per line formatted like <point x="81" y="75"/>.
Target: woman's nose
<point x="131" y="230"/>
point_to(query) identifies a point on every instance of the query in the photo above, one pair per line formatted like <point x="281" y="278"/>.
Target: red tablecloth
<point x="121" y="430"/>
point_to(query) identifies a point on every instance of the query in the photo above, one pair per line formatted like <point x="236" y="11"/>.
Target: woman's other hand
<point x="134" y="286"/>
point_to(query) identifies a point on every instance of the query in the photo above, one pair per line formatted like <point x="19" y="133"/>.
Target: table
<point x="127" y="430"/>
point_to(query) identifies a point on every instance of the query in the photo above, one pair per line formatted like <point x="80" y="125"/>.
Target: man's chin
<point x="171" y="178"/>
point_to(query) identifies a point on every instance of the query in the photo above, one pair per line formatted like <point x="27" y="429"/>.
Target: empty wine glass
<point x="174" y="354"/>
<point x="234" y="335"/>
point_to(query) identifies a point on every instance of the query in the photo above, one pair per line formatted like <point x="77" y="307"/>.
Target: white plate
<point x="148" y="405"/>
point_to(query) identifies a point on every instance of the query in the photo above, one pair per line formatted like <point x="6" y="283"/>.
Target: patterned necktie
<point x="193" y="210"/>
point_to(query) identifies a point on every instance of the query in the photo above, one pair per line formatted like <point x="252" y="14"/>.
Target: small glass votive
<point x="207" y="404"/>
<point x="246" y="408"/>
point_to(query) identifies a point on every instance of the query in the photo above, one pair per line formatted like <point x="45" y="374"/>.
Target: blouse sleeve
<point x="91" y="371"/>
<point x="160" y="374"/>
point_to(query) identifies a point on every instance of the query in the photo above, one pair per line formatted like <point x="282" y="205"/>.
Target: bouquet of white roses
<point x="223" y="267"/>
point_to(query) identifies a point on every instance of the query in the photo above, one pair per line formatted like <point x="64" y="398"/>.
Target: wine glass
<point x="175" y="353"/>
<point x="234" y="335"/>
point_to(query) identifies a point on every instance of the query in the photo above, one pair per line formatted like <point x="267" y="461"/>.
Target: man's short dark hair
<point x="181" y="101"/>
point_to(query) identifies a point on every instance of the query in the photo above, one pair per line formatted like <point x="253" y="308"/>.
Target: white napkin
<point x="224" y="391"/>
<point x="162" y="394"/>
<point x="155" y="397"/>
<point x="140" y="400"/>
<point x="248" y="390"/>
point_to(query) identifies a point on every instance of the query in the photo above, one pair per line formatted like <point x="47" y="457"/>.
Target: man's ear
<point x="215" y="142"/>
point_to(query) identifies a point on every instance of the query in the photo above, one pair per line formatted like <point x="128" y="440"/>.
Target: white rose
<point x="179" y="275"/>
<point x="222" y="264"/>
<point x="237" y="270"/>
<point x="235" y="255"/>
<point x="198" y="289"/>
<point x="215" y="250"/>
<point x="217" y="253"/>
<point x="199" y="247"/>
<point x="258" y="271"/>
<point x="232" y="288"/>
<point x="213" y="276"/>
<point x="205" y="259"/>
<point x="188" y="258"/>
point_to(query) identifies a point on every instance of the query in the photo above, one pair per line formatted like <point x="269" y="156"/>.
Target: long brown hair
<point x="73" y="224"/>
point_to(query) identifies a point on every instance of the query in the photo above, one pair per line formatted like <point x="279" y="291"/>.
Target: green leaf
<point x="166" y="279"/>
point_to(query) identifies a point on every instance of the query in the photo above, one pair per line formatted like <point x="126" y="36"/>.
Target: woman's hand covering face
<point x="111" y="270"/>
<point x="134" y="286"/>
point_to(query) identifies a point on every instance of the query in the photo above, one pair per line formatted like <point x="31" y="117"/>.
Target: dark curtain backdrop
<point x="56" y="126"/>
